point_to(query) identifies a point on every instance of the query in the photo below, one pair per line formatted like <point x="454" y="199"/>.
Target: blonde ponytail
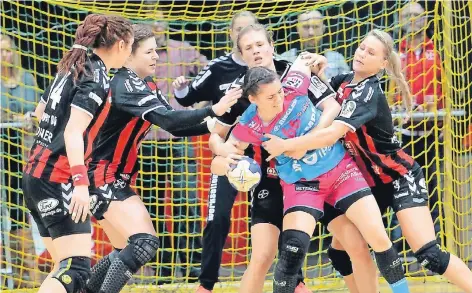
<point x="394" y="69"/>
<point x="395" y="72"/>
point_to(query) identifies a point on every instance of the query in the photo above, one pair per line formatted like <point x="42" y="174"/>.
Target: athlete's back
<point x="48" y="154"/>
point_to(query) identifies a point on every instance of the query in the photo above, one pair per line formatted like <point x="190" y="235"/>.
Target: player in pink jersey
<point x="257" y="50"/>
<point x="329" y="175"/>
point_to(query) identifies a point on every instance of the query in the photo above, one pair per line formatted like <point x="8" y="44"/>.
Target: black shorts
<point x="101" y="197"/>
<point x="48" y="203"/>
<point x="408" y="191"/>
<point x="267" y="204"/>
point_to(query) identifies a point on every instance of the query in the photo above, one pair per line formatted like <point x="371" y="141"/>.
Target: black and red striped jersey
<point x="133" y="105"/>
<point x="48" y="157"/>
<point x="372" y="141"/>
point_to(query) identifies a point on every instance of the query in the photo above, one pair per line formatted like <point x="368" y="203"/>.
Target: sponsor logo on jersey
<point x="271" y="172"/>
<point x="47" y="205"/>
<point x="212" y="197"/>
<point x="119" y="183"/>
<point x="294" y="81"/>
<point x="317" y="87"/>
<point x="263" y="194"/>
<point x="348" y="109"/>
<point x="96" y="98"/>
<point x="351" y="148"/>
<point x="307" y="186"/>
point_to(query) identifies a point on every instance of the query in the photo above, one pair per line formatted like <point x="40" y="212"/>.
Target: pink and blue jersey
<point x="299" y="117"/>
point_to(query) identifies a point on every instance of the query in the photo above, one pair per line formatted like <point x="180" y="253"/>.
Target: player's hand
<point x="230" y="147"/>
<point x="297" y="155"/>
<point x="275" y="146"/>
<point x="180" y="83"/>
<point x="79" y="204"/>
<point x="222" y="165"/>
<point x="227" y="101"/>
<point x="26" y="119"/>
<point x="318" y="63"/>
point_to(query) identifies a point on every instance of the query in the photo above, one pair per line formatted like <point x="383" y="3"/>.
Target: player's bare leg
<point x="100" y="269"/>
<point x="70" y="250"/>
<point x="418" y="228"/>
<point x="365" y="214"/>
<point x="347" y="237"/>
<point x="264" y="239"/>
<point x="349" y="280"/>
<point x="50" y="248"/>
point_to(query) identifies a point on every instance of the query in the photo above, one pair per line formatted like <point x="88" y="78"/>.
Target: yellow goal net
<point x="175" y="177"/>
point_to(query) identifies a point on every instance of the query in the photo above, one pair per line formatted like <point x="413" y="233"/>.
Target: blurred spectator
<point x="310" y="28"/>
<point x="421" y="64"/>
<point x="169" y="162"/>
<point x="18" y="101"/>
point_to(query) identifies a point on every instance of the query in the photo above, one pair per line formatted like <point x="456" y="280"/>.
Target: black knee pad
<point x="141" y="249"/>
<point x="292" y="251"/>
<point x="340" y="260"/>
<point x="73" y="273"/>
<point x="100" y="270"/>
<point x="432" y="257"/>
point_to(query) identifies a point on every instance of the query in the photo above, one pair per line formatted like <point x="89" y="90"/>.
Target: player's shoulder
<point x="96" y="72"/>
<point x="370" y="83"/>
<point x="249" y="114"/>
<point x="282" y="66"/>
<point x="367" y="91"/>
<point x="127" y="81"/>
<point x="346" y="76"/>
<point x="224" y="63"/>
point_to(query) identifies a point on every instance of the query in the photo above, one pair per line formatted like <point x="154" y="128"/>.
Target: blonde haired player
<point x="366" y="124"/>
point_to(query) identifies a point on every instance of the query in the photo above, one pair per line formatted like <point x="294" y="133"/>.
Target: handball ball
<point x="245" y="175"/>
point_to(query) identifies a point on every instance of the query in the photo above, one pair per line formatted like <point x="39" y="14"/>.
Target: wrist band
<point x="79" y="175"/>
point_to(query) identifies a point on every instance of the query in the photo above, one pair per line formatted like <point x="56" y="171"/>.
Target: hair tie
<point x="77" y="46"/>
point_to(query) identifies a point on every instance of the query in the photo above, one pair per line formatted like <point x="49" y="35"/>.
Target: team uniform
<point x="395" y="179"/>
<point x="113" y="140"/>
<point x="325" y="175"/>
<point x="269" y="208"/>
<point x="211" y="84"/>
<point x="47" y="183"/>
<point x="212" y="81"/>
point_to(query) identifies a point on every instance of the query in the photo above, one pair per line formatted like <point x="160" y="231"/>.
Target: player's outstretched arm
<point x="217" y="141"/>
<point x="319" y="138"/>
<point x="178" y="120"/>
<point x="184" y="94"/>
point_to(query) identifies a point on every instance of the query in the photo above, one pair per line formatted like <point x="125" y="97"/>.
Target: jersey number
<point x="56" y="91"/>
